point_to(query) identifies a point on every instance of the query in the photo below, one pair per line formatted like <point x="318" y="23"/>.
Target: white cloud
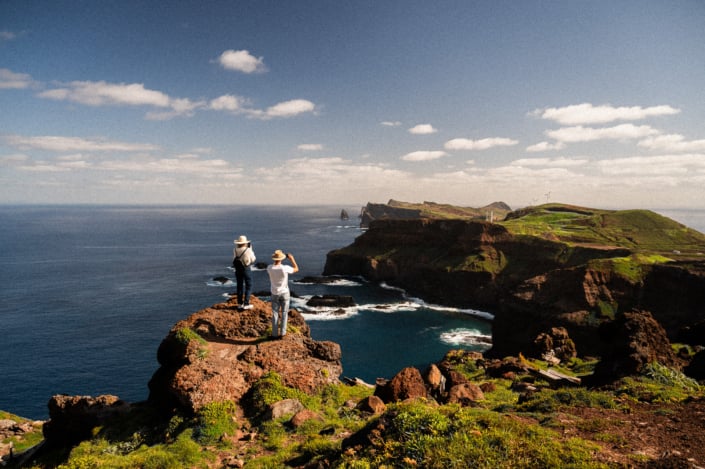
<point x="242" y="61"/>
<point x="662" y="165"/>
<point x="227" y="102"/>
<point x="391" y="123"/>
<point x="587" y="113"/>
<point x="545" y="146"/>
<point x="423" y="155"/>
<point x="14" y="81"/>
<point x="672" y="143"/>
<point x="66" y="144"/>
<point x="290" y="108"/>
<point x="101" y="93"/>
<point x="588" y="134"/>
<point x="482" y="144"/>
<point x="310" y="147"/>
<point x="552" y="162"/>
<point x="422" y="129"/>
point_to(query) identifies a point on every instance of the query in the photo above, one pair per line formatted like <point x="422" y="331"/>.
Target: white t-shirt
<point x="279" y="277"/>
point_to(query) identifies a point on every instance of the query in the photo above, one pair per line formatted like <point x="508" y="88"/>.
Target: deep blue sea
<point x="88" y="292"/>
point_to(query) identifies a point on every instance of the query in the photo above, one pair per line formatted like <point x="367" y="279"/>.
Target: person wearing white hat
<point x="279" y="280"/>
<point x="244" y="257"/>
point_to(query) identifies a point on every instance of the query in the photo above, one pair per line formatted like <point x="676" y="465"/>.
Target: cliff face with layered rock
<point x="551" y="266"/>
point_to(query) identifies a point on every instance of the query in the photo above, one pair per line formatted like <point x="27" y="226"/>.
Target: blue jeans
<point x="243" y="275"/>
<point x="280" y="305"/>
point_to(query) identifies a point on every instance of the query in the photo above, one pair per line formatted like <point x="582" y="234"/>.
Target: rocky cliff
<point x="217" y="353"/>
<point x="570" y="267"/>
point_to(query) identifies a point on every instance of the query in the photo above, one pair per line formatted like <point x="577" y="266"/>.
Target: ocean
<point x="89" y="292"/>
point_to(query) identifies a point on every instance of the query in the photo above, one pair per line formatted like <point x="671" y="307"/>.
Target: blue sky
<point x="596" y="103"/>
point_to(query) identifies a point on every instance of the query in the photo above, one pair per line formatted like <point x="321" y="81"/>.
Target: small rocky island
<point x="598" y="347"/>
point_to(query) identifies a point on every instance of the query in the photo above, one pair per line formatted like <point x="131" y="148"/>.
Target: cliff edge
<point x="542" y="267"/>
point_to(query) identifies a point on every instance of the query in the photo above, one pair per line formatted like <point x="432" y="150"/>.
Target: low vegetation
<point x="551" y="428"/>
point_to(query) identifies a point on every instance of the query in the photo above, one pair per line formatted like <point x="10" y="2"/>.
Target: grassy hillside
<point x="638" y="230"/>
<point x="447" y="211"/>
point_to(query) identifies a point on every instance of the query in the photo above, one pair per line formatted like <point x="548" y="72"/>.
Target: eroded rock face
<point x="530" y="284"/>
<point x="635" y="340"/>
<point x="223" y="351"/>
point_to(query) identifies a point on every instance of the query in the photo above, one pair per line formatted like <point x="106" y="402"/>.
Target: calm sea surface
<point x="88" y="293"/>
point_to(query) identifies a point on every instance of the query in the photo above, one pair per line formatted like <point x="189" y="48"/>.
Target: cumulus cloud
<point x="545" y="146"/>
<point x="482" y="144"/>
<point x="12" y="80"/>
<point x="672" y="143"/>
<point x="310" y="147"/>
<point x="587" y="113"/>
<point x="101" y="93"/>
<point x="391" y="123"/>
<point x="589" y="134"/>
<point x="7" y="35"/>
<point x="423" y="155"/>
<point x="242" y="61"/>
<point x="284" y="109"/>
<point x="67" y="144"/>
<point x="227" y="102"/>
<point x="422" y="129"/>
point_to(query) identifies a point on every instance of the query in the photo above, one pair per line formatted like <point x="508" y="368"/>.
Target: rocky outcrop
<point x="633" y="341"/>
<point x="530" y="284"/>
<point x="72" y="418"/>
<point x="217" y="354"/>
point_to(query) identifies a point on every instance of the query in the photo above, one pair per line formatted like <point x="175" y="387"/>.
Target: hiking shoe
<point x="247" y="307"/>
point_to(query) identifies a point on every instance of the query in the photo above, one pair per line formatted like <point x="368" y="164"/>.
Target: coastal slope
<point x="540" y="267"/>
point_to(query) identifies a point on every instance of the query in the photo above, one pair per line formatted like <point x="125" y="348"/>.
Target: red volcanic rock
<point x="217" y="354"/>
<point x="407" y="384"/>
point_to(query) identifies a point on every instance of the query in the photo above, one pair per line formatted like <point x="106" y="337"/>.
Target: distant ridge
<point x="398" y="210"/>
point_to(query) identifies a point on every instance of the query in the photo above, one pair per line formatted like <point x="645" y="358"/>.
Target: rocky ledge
<point x="217" y="353"/>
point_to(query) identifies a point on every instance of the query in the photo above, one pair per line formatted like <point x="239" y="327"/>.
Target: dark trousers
<point x="243" y="276"/>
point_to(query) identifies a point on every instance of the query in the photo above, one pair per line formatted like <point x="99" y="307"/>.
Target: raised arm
<point x="290" y="256"/>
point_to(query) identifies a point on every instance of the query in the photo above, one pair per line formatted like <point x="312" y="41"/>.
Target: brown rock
<point x="407" y="384"/>
<point x="435" y="380"/>
<point x="302" y="417"/>
<point x="372" y="405"/>
<point x="229" y="350"/>
<point x="635" y="339"/>
<point x="554" y="343"/>
<point x="465" y="394"/>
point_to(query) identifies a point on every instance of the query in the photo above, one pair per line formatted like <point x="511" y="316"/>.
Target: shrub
<point x="214" y="421"/>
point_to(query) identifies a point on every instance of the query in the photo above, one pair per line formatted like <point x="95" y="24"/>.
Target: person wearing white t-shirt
<point x="279" y="281"/>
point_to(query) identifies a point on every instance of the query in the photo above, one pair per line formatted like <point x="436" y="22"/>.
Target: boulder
<point x="407" y="384"/>
<point x="634" y="340"/>
<point x="465" y="394"/>
<point x="371" y="405"/>
<point x="282" y="408"/>
<point x="217" y="354"/>
<point x="72" y="418"/>
<point x="554" y="343"/>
